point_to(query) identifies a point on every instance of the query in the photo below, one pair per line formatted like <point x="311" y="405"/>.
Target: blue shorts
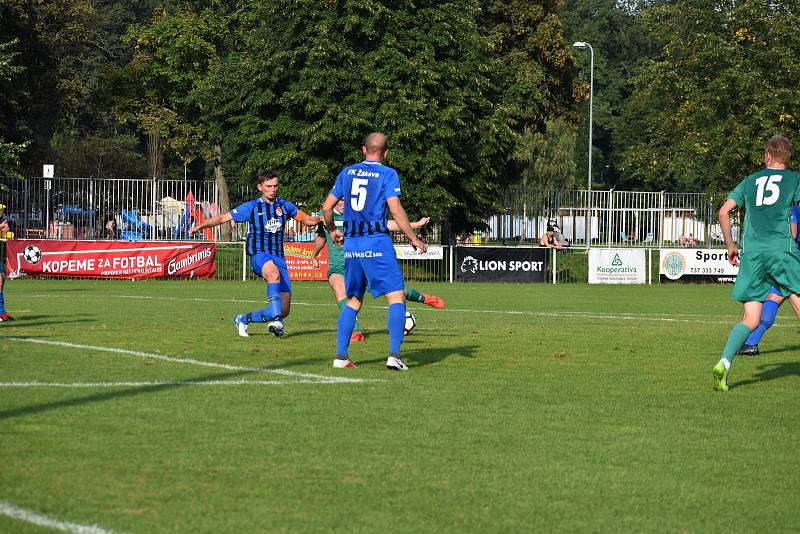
<point x="371" y="260"/>
<point x="257" y="265"/>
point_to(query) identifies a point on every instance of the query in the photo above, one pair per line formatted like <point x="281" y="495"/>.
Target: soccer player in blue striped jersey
<point x="266" y="217"/>
<point x="370" y="191"/>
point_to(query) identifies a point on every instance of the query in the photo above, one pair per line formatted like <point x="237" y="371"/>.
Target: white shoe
<point x="275" y="327"/>
<point x="240" y="325"/>
<point x="339" y="363"/>
<point x="393" y="363"/>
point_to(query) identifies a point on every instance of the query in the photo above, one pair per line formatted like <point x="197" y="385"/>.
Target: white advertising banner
<point x="617" y="266"/>
<point x="696" y="265"/>
<point x="407" y="252"/>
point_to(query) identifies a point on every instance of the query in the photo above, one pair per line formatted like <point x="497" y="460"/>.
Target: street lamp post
<point x="582" y="45"/>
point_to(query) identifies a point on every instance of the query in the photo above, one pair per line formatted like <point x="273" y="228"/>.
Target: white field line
<point x="666" y="317"/>
<point x="28" y="516"/>
<point x="152" y="383"/>
<point x="191" y="361"/>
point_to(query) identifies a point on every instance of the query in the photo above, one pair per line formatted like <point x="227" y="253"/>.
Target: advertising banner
<point x="489" y="264"/>
<point x="407" y="252"/>
<point x="110" y="259"/>
<point x="298" y="261"/>
<point x="696" y="265"/>
<point x="617" y="266"/>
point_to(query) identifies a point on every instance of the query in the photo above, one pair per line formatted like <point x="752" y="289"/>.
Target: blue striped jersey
<point x="365" y="187"/>
<point x="267" y="222"/>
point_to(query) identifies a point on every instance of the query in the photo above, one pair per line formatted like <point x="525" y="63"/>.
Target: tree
<point x="616" y="32"/>
<point x="10" y="152"/>
<point x="725" y="79"/>
<point x="66" y="48"/>
<point x="174" y="55"/>
<point x="307" y="83"/>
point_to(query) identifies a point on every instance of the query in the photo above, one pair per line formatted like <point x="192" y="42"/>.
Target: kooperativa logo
<point x="674" y="265"/>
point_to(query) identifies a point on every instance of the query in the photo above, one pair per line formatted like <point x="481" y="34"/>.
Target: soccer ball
<point x="32" y="254"/>
<point x="410" y="325"/>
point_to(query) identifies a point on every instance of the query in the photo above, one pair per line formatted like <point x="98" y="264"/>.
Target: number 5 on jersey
<point x="770" y="185"/>
<point x="358" y="194"/>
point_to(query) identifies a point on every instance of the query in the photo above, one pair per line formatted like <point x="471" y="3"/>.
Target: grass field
<point x="527" y="408"/>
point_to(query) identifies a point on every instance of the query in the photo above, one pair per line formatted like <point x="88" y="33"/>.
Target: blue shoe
<point x="275" y="327"/>
<point x="241" y="325"/>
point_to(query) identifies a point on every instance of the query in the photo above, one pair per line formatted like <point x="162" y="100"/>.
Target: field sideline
<point x="135" y="407"/>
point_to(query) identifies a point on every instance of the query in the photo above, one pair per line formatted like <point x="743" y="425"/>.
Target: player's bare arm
<point x="307" y="220"/>
<point x="319" y="244"/>
<point x="210" y="223"/>
<point x="327" y="214"/>
<point x="400" y="217"/>
<point x="725" y="224"/>
<point x="392" y="226"/>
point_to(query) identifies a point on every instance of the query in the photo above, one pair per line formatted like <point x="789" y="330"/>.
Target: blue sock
<point x="396" y="323"/>
<point x="260" y="316"/>
<point x="347" y="320"/>
<point x="768" y="312"/>
<point x="2" y="303"/>
<point x="274" y="301"/>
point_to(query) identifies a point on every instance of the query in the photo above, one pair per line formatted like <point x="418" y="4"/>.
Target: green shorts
<point x="335" y="269"/>
<point x="759" y="271"/>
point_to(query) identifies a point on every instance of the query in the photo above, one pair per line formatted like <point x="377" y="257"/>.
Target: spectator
<point x="549" y="240"/>
<point x="110" y="226"/>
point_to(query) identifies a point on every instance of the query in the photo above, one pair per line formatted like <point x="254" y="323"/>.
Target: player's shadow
<point x="428" y="356"/>
<point x="37" y="320"/>
<point x="770" y="371"/>
<point x="793" y="348"/>
<point x="128" y="392"/>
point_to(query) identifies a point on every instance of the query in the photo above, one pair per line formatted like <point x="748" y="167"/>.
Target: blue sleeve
<point x="337" y="190"/>
<point x="242" y="212"/>
<point x="795" y="214"/>
<point x="391" y="185"/>
<point x="291" y="209"/>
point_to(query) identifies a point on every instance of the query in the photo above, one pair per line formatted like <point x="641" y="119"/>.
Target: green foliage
<point x="99" y="156"/>
<point x="620" y="42"/>
<point x="10" y="152"/>
<point x="307" y="83"/>
<point x="726" y="78"/>
<point x="548" y="157"/>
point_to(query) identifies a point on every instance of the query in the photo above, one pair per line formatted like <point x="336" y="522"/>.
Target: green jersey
<point x="767" y="198"/>
<point x="335" y="252"/>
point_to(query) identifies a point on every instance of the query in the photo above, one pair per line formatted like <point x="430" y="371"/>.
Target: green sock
<point x="341" y="304"/>
<point x="736" y="339"/>
<point x="414" y="296"/>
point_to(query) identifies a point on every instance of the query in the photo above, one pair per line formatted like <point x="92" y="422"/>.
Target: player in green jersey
<point x="336" y="266"/>
<point x="768" y="257"/>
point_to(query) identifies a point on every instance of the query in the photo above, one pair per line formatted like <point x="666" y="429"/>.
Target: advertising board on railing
<point x="495" y="264"/>
<point x="696" y="265"/>
<point x="617" y="266"/>
<point x="298" y="259"/>
<point x="110" y="259"/>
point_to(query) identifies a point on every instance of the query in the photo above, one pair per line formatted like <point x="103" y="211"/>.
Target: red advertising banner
<point x="298" y="260"/>
<point x="110" y="259"/>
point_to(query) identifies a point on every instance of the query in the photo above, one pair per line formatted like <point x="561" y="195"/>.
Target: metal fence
<point x="611" y="218"/>
<point x="89" y="208"/>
